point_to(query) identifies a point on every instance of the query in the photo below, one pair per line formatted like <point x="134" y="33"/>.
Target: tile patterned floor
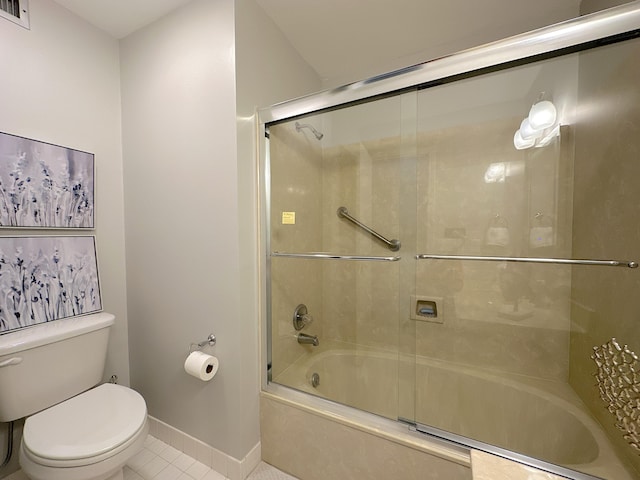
<point x="264" y="471"/>
<point x="159" y="461"/>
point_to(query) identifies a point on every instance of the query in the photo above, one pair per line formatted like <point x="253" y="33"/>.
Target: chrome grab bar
<point x="561" y="261"/>
<point x="332" y="256"/>
<point x="393" y="244"/>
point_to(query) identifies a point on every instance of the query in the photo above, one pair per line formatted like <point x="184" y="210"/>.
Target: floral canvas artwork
<point x="45" y="185"/>
<point x="47" y="278"/>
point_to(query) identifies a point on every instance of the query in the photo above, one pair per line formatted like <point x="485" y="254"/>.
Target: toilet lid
<point x="87" y="425"/>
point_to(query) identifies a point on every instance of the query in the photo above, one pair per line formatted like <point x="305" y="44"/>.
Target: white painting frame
<point x="46" y="186"/>
<point x="47" y="278"/>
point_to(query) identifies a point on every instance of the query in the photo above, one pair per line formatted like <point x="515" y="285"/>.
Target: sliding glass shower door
<point x="342" y="218"/>
<point x="501" y="326"/>
<point x="461" y="256"/>
<point x="525" y="249"/>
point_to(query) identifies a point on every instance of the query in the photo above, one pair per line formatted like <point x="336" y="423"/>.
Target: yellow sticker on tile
<point x="288" y="218"/>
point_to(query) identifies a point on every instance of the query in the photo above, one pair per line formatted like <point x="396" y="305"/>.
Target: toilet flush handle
<point x="11" y="361"/>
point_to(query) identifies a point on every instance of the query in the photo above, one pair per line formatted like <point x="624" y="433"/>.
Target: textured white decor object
<point x="618" y="379"/>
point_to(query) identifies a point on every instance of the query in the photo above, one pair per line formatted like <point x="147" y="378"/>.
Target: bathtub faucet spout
<point x="305" y="339"/>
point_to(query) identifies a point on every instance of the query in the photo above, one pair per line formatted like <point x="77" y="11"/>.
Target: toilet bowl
<point x="88" y="437"/>
<point x="73" y="429"/>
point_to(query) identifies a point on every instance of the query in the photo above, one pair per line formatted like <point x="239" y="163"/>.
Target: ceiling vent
<point x="16" y="11"/>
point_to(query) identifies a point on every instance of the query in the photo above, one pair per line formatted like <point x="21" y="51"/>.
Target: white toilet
<point x="74" y="435"/>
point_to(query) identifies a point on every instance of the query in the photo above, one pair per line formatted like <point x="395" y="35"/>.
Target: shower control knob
<point x="301" y="317"/>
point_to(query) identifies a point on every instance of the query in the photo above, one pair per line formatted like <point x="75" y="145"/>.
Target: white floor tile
<point x="213" y="475"/>
<point x="183" y="462"/>
<point x="171" y="464"/>
<point x="197" y="470"/>
<point x="169" y="473"/>
<point x="154" y="467"/>
<point x="140" y="459"/>
<point x="264" y="471"/>
<point x="131" y="475"/>
<point x="170" y="453"/>
<point x="157" y="447"/>
<point x="149" y="440"/>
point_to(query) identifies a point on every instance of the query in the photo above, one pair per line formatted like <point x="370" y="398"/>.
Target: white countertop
<point x="490" y="467"/>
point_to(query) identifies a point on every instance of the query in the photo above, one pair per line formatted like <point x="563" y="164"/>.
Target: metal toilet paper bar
<point x="211" y="341"/>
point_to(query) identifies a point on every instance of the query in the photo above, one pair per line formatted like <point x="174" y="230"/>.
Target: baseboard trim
<point x="226" y="465"/>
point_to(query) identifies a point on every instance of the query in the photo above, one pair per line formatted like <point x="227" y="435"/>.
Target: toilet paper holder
<point x="211" y="341"/>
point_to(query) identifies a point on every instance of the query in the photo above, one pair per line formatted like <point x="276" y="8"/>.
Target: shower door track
<point x="498" y="451"/>
<point x="559" y="261"/>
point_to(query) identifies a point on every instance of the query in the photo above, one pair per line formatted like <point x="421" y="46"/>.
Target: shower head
<point x="300" y="126"/>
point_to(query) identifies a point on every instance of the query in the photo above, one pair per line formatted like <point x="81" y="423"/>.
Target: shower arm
<point x="316" y="133"/>
<point x="393" y="244"/>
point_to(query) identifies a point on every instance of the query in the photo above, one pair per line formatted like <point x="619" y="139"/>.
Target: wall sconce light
<point x="539" y="127"/>
<point x="542" y="115"/>
<point x="522" y="143"/>
<point x="527" y="131"/>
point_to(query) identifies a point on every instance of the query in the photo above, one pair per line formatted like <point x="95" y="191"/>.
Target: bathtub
<point x="476" y="404"/>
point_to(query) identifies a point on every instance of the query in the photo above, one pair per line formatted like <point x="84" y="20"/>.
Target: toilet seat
<point x="85" y="429"/>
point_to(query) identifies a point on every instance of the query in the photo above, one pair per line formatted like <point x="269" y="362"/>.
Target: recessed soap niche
<point x="427" y="309"/>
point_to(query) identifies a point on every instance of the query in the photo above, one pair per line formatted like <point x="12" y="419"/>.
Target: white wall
<point x="268" y="70"/>
<point x="190" y="186"/>
<point x="60" y="84"/>
<point x="190" y="210"/>
<point x="179" y="143"/>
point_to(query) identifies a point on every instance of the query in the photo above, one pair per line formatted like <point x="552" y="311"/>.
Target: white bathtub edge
<point x="368" y="423"/>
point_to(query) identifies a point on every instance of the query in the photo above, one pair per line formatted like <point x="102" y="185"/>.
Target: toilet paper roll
<point x="201" y="365"/>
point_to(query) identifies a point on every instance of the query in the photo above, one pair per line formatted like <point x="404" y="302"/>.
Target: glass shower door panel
<point x="339" y="189"/>
<point x="506" y="359"/>
<point x="501" y="326"/>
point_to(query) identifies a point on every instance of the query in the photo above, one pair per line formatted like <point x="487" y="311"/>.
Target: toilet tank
<point x="50" y="362"/>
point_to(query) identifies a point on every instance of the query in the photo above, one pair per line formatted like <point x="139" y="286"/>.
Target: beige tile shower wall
<point x="503" y="316"/>
<point x="360" y="302"/>
<point x="339" y="177"/>
<point x="296" y="186"/>
<point x="607" y="198"/>
<point x="455" y="208"/>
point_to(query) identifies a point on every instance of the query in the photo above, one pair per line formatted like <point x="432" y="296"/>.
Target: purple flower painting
<point x="47" y="278"/>
<point x="44" y="185"/>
